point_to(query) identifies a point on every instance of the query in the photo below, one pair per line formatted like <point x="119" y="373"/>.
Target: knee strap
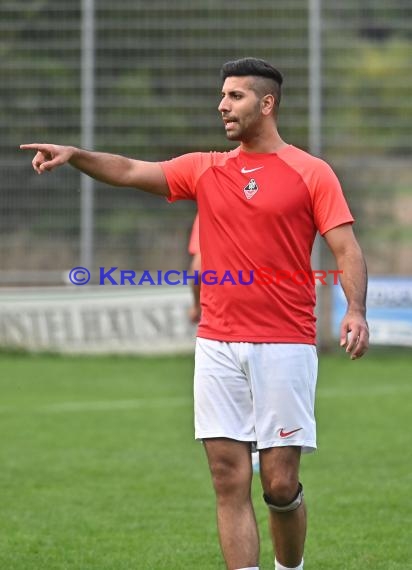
<point x="292" y="506"/>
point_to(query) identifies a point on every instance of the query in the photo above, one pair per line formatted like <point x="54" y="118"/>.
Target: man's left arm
<point x="353" y="277"/>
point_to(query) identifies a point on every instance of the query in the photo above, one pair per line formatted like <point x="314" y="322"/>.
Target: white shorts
<point x="258" y="392"/>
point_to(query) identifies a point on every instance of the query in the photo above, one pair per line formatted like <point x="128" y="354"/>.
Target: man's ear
<point x="267" y="104"/>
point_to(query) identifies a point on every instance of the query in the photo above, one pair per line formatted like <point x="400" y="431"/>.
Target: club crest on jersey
<point x="250" y="189"/>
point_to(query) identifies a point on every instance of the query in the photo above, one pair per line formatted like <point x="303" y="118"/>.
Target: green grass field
<point x="99" y="470"/>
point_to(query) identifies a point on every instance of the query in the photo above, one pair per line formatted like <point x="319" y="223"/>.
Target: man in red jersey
<point x="260" y="207"/>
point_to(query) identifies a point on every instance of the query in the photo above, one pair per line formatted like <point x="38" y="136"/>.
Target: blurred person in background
<point x="195" y="265"/>
<point x="260" y="207"/>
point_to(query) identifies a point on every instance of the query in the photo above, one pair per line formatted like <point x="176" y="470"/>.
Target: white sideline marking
<point x="104" y="405"/>
<point x="335" y="392"/>
<point x="182" y="401"/>
<point x="107" y="405"/>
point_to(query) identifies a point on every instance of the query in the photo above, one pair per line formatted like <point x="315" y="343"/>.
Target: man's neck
<point x="264" y="145"/>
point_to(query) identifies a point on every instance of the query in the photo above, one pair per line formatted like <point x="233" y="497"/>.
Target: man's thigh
<point x="279" y="462"/>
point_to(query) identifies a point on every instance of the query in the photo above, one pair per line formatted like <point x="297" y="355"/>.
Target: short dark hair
<point x="257" y="68"/>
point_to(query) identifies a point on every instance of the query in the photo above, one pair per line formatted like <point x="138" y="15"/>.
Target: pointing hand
<point x="48" y="156"/>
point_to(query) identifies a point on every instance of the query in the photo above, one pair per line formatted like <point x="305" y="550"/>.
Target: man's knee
<point x="284" y="496"/>
<point x="229" y="479"/>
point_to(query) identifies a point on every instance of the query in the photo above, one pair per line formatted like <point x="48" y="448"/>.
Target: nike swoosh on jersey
<point x="288" y="433"/>
<point x="247" y="170"/>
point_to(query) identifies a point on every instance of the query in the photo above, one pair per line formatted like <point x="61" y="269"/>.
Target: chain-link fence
<point x="157" y="87"/>
<point x="367" y="122"/>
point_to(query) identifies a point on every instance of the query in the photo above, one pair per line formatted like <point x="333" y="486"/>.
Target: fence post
<point x="87" y="128"/>
<point x="315" y="137"/>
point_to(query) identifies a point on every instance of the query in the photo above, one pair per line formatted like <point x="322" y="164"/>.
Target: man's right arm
<point x="111" y="169"/>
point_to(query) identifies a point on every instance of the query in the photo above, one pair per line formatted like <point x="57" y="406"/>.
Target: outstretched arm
<point x="111" y="169"/>
<point x="351" y="263"/>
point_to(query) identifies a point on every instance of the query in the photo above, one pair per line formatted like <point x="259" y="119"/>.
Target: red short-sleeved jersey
<point x="259" y="214"/>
